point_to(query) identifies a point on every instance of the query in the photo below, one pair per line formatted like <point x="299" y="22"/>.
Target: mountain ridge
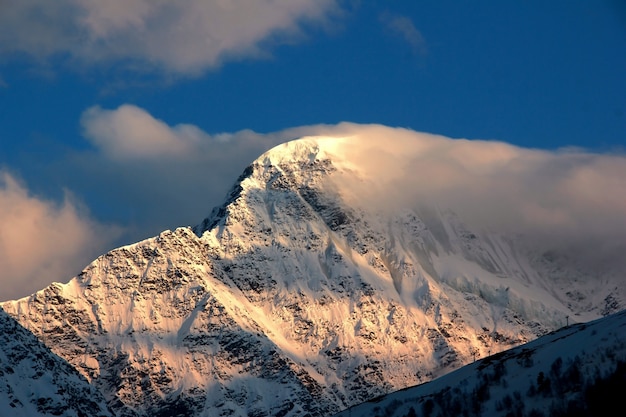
<point x="292" y="299"/>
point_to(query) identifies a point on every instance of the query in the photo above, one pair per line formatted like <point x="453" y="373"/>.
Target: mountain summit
<point x="321" y="282"/>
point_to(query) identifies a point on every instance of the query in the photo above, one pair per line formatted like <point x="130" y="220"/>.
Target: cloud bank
<point x="569" y="201"/>
<point x="183" y="37"/>
<point x="41" y="241"/>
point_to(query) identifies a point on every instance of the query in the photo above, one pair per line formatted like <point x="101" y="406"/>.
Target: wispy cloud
<point x="42" y="241"/>
<point x="404" y="27"/>
<point x="181" y="38"/>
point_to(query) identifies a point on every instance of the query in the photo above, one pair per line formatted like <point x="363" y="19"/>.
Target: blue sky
<point x="76" y="79"/>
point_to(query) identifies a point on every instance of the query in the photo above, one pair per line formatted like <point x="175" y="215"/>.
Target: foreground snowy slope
<point x="303" y="295"/>
<point x="576" y="371"/>
<point x="36" y="382"/>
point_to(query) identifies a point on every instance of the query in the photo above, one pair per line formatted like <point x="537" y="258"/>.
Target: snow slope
<point x="36" y="382"/>
<point x="299" y="296"/>
<point x="577" y="370"/>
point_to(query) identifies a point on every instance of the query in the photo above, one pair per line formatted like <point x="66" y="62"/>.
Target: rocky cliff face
<point x="292" y="299"/>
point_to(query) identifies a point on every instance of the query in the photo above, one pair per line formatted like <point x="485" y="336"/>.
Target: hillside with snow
<point x="317" y="285"/>
<point x="579" y="370"/>
<point x="36" y="382"/>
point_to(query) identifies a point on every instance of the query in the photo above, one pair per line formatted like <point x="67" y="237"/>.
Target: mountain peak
<point x="315" y="286"/>
<point x="306" y="149"/>
<point x="285" y="165"/>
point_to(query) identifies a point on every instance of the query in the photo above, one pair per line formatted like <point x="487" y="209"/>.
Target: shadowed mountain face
<point x="35" y="381"/>
<point x="296" y="297"/>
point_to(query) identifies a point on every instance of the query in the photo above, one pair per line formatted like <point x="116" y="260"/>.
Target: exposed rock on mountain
<point x="36" y="382"/>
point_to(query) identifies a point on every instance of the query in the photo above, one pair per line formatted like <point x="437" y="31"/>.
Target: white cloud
<point x="41" y="241"/>
<point x="570" y="201"/>
<point x="183" y="37"/>
<point x="130" y="132"/>
<point x="492" y="180"/>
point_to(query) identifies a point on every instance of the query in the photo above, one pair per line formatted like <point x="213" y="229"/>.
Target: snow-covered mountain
<point x="36" y="382"/>
<point x="300" y="297"/>
<point x="579" y="370"/>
